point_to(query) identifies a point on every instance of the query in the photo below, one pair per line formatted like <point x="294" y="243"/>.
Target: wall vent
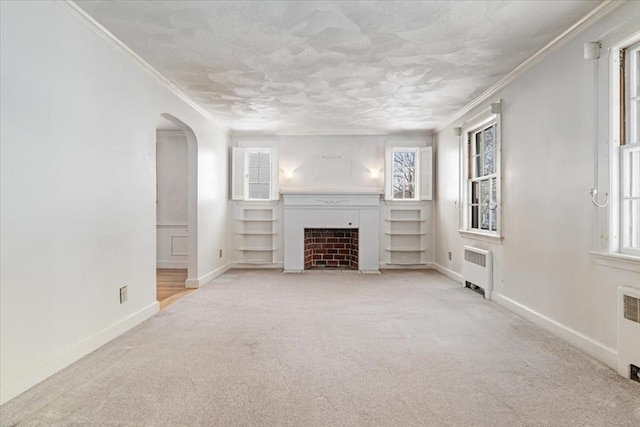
<point x="631" y="308"/>
<point x="628" y="332"/>
<point x="474" y="257"/>
<point x="477" y="270"/>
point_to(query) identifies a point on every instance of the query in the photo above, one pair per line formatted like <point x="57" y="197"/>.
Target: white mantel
<point x="331" y="209"/>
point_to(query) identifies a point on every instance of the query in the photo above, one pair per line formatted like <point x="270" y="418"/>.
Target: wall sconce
<point x="496" y="107"/>
<point x="457" y="131"/>
<point x="592" y="50"/>
<point x="375" y="173"/>
<point x="288" y="174"/>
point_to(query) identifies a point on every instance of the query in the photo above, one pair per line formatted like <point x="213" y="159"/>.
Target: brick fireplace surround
<point x="330" y="248"/>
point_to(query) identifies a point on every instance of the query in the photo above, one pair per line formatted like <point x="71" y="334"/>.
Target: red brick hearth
<point x="335" y="248"/>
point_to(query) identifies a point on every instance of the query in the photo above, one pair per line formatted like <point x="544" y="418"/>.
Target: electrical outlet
<point x="123" y="295"/>
<point x="449" y="256"/>
<point x="220" y="253"/>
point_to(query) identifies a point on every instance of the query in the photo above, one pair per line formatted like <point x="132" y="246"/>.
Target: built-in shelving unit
<point x="258" y="235"/>
<point x="406" y="231"/>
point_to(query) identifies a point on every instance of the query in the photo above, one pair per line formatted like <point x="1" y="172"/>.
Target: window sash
<point x="482" y="162"/>
<point x="629" y="159"/>
<point x="482" y="186"/>
<point x="258" y="174"/>
<point x="630" y="199"/>
<point x="632" y="94"/>
<point x="404" y="177"/>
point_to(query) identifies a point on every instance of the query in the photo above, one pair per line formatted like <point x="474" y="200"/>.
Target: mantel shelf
<point x="405" y="249"/>
<point x="258" y="220"/>
<point x="257" y="249"/>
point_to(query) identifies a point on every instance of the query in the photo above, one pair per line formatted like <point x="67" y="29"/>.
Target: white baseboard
<point x="27" y="378"/>
<point x="449" y="273"/>
<point x="248" y="265"/>
<point x="204" y="279"/>
<point x="595" y="349"/>
<point x="390" y="266"/>
<point x="171" y="264"/>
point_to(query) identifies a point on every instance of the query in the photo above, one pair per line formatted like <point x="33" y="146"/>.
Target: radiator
<point x="629" y="332"/>
<point x="477" y="270"/>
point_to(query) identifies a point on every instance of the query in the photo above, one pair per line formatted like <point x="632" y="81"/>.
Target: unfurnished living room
<point x="314" y="213"/>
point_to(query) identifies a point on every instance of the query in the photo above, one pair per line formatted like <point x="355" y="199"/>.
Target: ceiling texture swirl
<point x="335" y="67"/>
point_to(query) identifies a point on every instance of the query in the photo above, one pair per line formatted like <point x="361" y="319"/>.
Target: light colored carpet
<point x="332" y="349"/>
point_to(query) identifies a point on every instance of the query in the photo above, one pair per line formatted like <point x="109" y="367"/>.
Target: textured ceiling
<point x="335" y="67"/>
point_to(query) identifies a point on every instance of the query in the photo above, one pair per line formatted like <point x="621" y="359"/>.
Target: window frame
<point x="416" y="173"/>
<point x="478" y="124"/>
<point x="625" y="134"/>
<point x="247" y="181"/>
<point x="239" y="173"/>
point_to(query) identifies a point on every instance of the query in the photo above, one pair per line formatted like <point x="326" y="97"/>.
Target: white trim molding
<point x="619" y="261"/>
<point x="29" y="377"/>
<point x="259" y="266"/>
<point x="206" y="278"/>
<point x="593" y="348"/>
<point x="457" y="277"/>
<point x="594" y="16"/>
<point x="475" y="235"/>
<point x="86" y="19"/>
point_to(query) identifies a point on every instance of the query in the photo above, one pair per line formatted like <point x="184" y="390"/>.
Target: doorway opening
<point x="176" y="202"/>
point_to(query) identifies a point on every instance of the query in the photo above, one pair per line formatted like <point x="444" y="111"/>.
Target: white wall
<point x="543" y="268"/>
<point x="171" y="199"/>
<point x="332" y="162"/>
<point x="78" y="191"/>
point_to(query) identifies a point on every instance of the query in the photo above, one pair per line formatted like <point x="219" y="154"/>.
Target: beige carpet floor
<point x="334" y="349"/>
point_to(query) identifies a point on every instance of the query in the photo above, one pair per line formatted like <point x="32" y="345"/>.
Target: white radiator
<point x="477" y="270"/>
<point x="629" y="332"/>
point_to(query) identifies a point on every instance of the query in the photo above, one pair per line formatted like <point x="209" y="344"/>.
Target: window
<point x="629" y="150"/>
<point x="258" y="175"/>
<point x="404" y="174"/>
<point x="254" y="174"/>
<point x="408" y="174"/>
<point x="481" y="175"/>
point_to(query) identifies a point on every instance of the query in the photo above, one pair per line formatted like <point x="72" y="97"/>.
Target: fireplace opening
<point x="331" y="248"/>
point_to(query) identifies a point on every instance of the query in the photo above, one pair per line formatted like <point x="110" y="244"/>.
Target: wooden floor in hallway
<point x="170" y="285"/>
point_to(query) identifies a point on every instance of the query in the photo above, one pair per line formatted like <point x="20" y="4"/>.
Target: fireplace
<point x="331" y="248"/>
<point x="341" y="211"/>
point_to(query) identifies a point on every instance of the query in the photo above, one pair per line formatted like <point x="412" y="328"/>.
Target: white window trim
<point x="416" y="173"/>
<point x="616" y="250"/>
<point x="240" y="178"/>
<point x="247" y="153"/>
<point x="482" y="119"/>
<point x="618" y="261"/>
<point x="423" y="174"/>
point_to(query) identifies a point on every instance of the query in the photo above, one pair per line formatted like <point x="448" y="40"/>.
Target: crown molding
<point x="77" y="12"/>
<point x="588" y="20"/>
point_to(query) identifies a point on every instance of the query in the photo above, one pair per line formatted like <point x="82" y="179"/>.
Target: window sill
<point x="474" y="235"/>
<point x="619" y="261"/>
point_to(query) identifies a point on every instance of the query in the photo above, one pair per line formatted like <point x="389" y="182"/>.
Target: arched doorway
<point x="176" y="208"/>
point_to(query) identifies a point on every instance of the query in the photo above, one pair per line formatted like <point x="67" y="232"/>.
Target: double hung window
<point x="480" y="180"/>
<point x="629" y="150"/>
